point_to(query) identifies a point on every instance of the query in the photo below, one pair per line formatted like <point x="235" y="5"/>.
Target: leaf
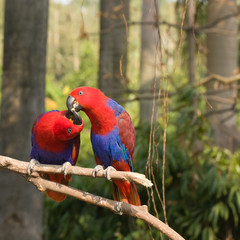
<point x="238" y="199"/>
<point x="208" y="234"/>
<point x="234" y="213"/>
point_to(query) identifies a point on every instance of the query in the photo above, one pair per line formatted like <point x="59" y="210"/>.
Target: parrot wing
<point x="127" y="132"/>
<point x="123" y="190"/>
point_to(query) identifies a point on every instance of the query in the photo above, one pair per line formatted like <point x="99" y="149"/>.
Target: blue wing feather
<point x="118" y="109"/>
<point x="110" y="148"/>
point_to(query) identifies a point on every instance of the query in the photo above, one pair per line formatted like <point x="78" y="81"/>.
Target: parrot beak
<point x="72" y="115"/>
<point x="73" y="105"/>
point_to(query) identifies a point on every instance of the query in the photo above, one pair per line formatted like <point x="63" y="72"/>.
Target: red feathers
<point x="56" y="140"/>
<point x="112" y="136"/>
<point x="126" y="132"/>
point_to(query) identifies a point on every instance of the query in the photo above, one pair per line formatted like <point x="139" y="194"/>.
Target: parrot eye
<point x="69" y="130"/>
<point x="80" y="93"/>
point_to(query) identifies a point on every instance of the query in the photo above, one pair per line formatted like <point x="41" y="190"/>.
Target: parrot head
<point x="85" y="99"/>
<point x="67" y="125"/>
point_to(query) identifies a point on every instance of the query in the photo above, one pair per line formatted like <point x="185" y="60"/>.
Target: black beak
<point x="70" y="102"/>
<point x="73" y="107"/>
<point x="77" y="120"/>
<point x="73" y="104"/>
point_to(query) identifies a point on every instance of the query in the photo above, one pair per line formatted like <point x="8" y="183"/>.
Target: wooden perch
<point x="21" y="167"/>
<point x="120" y="208"/>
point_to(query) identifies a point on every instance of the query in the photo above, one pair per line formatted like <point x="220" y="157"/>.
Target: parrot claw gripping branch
<point x="96" y="170"/>
<point x="31" y="165"/>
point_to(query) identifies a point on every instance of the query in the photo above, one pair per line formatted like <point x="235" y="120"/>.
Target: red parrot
<point x="56" y="140"/>
<point x="112" y="137"/>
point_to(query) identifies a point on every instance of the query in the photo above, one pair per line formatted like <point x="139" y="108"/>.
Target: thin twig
<point x="120" y="208"/>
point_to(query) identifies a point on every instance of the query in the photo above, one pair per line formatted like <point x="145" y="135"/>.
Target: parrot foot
<point x="107" y="172"/>
<point x="31" y="165"/>
<point x="97" y="169"/>
<point x="65" y="167"/>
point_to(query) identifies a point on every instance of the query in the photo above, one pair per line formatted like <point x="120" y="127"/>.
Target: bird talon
<point x="65" y="167"/>
<point x="31" y="165"/>
<point x="97" y="169"/>
<point x="107" y="172"/>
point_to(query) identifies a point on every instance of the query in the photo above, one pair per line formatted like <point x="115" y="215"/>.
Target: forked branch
<point x="140" y="212"/>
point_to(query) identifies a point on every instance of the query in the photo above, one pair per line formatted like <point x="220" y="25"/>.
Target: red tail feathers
<point x="58" y="178"/>
<point x="125" y="191"/>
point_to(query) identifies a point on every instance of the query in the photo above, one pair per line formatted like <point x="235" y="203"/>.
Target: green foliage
<point x="202" y="181"/>
<point x="86" y="76"/>
<point x="206" y="194"/>
<point x="57" y="91"/>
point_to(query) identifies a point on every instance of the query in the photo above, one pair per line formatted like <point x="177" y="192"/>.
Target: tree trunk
<point x="23" y="90"/>
<point x="149" y="61"/>
<point x="222" y="59"/>
<point x="112" y="79"/>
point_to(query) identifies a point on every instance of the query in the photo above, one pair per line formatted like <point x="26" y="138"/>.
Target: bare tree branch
<point x="120" y="208"/>
<point x="21" y="167"/>
<point x="225" y="80"/>
<point x="197" y="29"/>
<point x="216" y="21"/>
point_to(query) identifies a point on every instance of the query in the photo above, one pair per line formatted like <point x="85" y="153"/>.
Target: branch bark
<point x="120" y="208"/>
<point x="21" y="167"/>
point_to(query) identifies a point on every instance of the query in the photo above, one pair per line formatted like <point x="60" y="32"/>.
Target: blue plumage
<point x="47" y="157"/>
<point x="117" y="108"/>
<point x="109" y="147"/>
